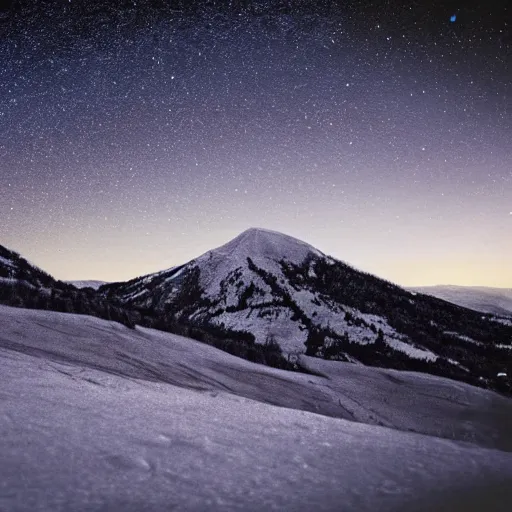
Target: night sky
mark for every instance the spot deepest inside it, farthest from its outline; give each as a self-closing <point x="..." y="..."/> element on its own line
<point x="136" y="137"/>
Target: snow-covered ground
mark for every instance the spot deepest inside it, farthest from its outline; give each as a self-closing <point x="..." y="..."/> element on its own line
<point x="502" y="320"/>
<point x="404" y="400"/>
<point x="95" y="416"/>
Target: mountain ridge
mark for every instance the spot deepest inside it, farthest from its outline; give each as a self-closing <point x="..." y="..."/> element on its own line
<point x="266" y="293"/>
<point x="486" y="299"/>
<point x="275" y="287"/>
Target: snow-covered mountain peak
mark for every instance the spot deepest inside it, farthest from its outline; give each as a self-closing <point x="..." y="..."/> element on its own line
<point x="258" y="243"/>
<point x="263" y="247"/>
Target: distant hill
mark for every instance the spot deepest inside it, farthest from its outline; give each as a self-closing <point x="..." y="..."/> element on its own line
<point x="497" y="301"/>
<point x="87" y="284"/>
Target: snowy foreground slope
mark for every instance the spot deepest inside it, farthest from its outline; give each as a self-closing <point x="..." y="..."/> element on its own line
<point x="497" y="301"/>
<point x="402" y="400"/>
<point x="95" y="416"/>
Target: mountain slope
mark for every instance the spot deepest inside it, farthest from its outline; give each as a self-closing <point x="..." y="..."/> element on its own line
<point x="14" y="269"/>
<point x="25" y="285"/>
<point x="496" y="301"/>
<point x="275" y="287"/>
<point x="217" y="278"/>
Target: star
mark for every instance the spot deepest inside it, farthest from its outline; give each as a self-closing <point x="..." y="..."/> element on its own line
<point x="165" y="122"/>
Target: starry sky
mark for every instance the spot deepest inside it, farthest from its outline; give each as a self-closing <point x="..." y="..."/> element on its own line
<point x="135" y="136"/>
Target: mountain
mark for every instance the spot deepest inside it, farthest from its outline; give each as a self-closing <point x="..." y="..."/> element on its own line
<point x="497" y="301"/>
<point x="87" y="284"/>
<point x="16" y="270"/>
<point x="273" y="288"/>
<point x="224" y="284"/>
<point x="25" y="285"/>
<point x="96" y="416"/>
<point x="268" y="297"/>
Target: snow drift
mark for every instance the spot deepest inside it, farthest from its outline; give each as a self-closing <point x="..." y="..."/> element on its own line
<point x="96" y="416"/>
